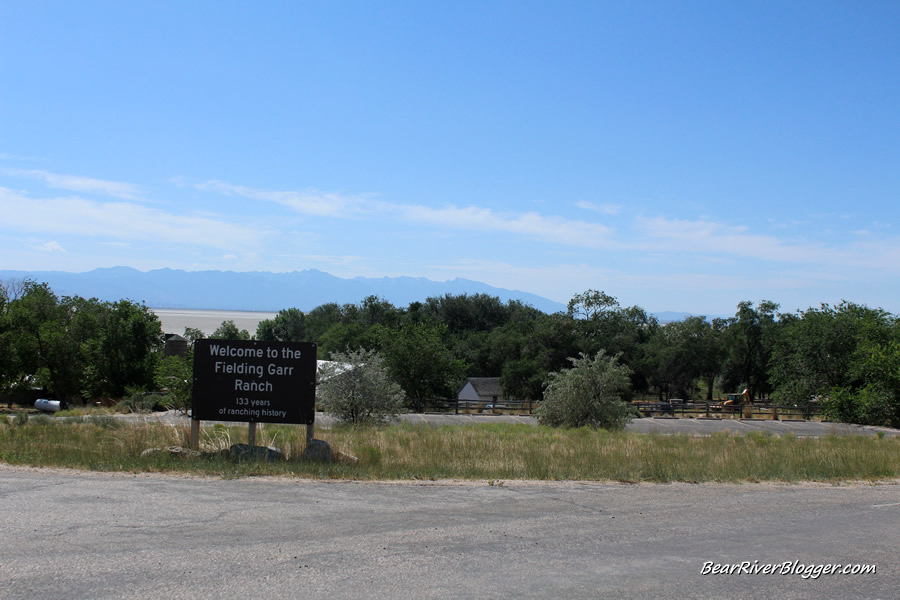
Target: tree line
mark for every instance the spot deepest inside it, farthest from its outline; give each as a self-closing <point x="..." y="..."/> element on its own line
<point x="845" y="357"/>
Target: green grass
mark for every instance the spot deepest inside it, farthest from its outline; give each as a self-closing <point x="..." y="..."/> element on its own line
<point x="493" y="452"/>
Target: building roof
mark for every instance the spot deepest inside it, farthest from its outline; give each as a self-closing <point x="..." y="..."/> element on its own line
<point x="486" y="386"/>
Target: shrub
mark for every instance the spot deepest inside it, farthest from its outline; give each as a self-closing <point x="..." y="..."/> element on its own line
<point x="355" y="388"/>
<point x="142" y="402"/>
<point x="174" y="375"/>
<point x="589" y="394"/>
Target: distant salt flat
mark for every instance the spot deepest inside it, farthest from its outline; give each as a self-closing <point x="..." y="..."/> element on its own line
<point x="174" y="320"/>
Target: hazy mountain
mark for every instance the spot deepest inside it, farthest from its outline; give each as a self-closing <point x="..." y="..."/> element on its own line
<point x="670" y="316"/>
<point x="259" y="291"/>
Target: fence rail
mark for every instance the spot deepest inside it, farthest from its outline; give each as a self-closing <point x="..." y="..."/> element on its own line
<point x="713" y="410"/>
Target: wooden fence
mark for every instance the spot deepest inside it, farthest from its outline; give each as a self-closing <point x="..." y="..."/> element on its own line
<point x="685" y="410"/>
<point x="718" y="410"/>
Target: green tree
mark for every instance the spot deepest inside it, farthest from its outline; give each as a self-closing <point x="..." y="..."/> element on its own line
<point x="819" y="350"/>
<point x="601" y="323"/>
<point x="378" y="311"/>
<point x="356" y="388"/>
<point x="289" y="325"/>
<point x="590" y="394"/>
<point x="7" y="368"/>
<point x="417" y="359"/>
<point x="478" y="312"/>
<point x="321" y="319"/>
<point x="174" y="376"/>
<point x="192" y="334"/>
<point x="340" y="337"/>
<point x="42" y="352"/>
<point x="752" y="334"/>
<point x="878" y="401"/>
<point x="122" y="353"/>
<point x="229" y="331"/>
<point x="523" y="380"/>
<point x="682" y="352"/>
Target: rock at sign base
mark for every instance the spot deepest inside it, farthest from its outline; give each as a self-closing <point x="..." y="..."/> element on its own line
<point x="318" y="450"/>
<point x="172" y="451"/>
<point x="262" y="453"/>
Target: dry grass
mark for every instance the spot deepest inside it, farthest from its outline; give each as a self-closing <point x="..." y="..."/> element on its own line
<point x="481" y="452"/>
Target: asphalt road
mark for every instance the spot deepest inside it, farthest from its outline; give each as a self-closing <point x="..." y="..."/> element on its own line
<point x="75" y="535"/>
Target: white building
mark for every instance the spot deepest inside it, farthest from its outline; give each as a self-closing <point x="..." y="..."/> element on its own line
<point x="481" y="389"/>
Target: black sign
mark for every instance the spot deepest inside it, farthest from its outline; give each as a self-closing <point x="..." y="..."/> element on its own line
<point x="253" y="381"/>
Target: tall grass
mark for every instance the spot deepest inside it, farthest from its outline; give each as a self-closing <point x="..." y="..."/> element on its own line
<point x="480" y="452"/>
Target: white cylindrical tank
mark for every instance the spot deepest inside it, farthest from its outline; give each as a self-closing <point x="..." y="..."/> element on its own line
<point x="47" y="405"/>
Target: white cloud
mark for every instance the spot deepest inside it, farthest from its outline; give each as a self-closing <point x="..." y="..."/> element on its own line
<point x="831" y="252"/>
<point x="603" y="209"/>
<point x="122" y="221"/>
<point x="530" y="224"/>
<point x="309" y="202"/>
<point x="683" y="235"/>
<point x="51" y="247"/>
<point x="76" y="183"/>
<point x="471" y="218"/>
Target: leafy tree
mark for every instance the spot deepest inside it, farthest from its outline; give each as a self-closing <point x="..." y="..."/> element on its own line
<point x="819" y="349"/>
<point x="321" y="319"/>
<point x="473" y="348"/>
<point x="523" y="380"/>
<point x="588" y="394"/>
<point x="342" y="336"/>
<point x="6" y="358"/>
<point x="602" y="324"/>
<point x="553" y="341"/>
<point x="592" y="305"/>
<point x="192" y="334"/>
<point x="417" y="359"/>
<point x="122" y="352"/>
<point x="671" y="372"/>
<point x="174" y="375"/>
<point x="712" y="354"/>
<point x="752" y="334"/>
<point x="878" y="401"/>
<point x="289" y="325"/>
<point x="378" y="311"/>
<point x="681" y="352"/>
<point x="478" y="312"/>
<point x="847" y="356"/>
<point x="356" y="388"/>
<point x="229" y="331"/>
<point x="76" y="348"/>
<point x="42" y="352"/>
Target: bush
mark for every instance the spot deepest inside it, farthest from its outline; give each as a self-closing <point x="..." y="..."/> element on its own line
<point x="355" y="388"/>
<point x="142" y="402"/>
<point x="587" y="395"/>
<point x="174" y="375"/>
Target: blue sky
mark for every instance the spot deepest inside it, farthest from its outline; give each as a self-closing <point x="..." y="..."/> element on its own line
<point x="678" y="155"/>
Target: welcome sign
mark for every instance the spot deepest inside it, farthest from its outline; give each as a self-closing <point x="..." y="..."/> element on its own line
<point x="254" y="381"/>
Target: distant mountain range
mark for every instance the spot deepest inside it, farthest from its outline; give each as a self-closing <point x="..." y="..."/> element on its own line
<point x="258" y="291"/>
<point x="265" y="291"/>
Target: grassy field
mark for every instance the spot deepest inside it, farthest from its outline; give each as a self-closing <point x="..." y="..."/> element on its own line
<point x="493" y="452"/>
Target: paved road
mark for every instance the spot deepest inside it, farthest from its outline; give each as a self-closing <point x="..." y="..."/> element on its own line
<point x="645" y="425"/>
<point x="83" y="535"/>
